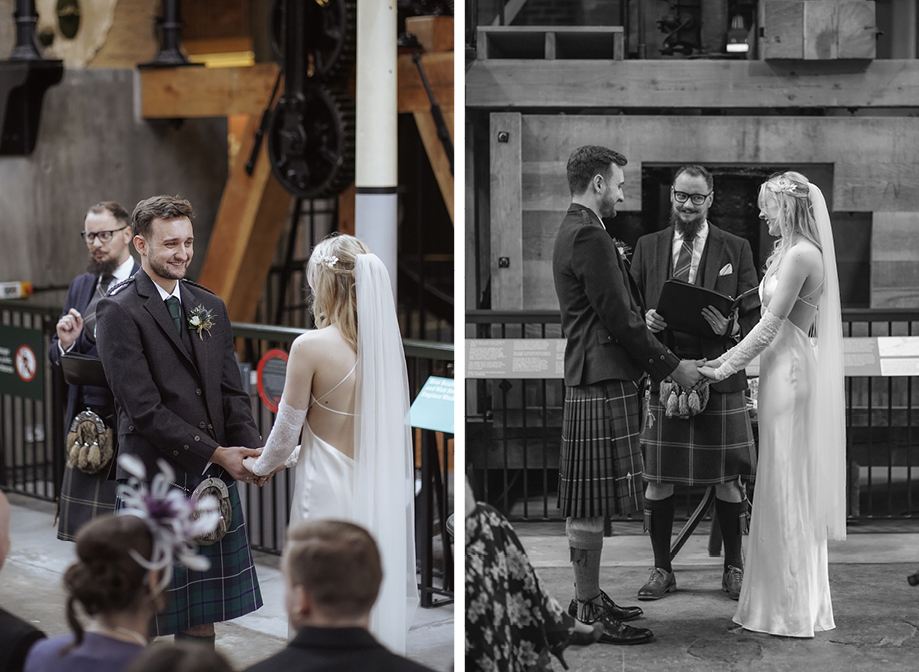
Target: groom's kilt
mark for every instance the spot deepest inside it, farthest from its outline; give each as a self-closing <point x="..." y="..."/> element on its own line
<point x="600" y="462"/>
<point x="715" y="446"/>
<point x="227" y="590"/>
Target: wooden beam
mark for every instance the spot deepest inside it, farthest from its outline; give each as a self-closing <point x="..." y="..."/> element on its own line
<point x="439" y="70"/>
<point x="533" y="84"/>
<point x="246" y="232"/>
<point x="506" y="143"/>
<point x="175" y="93"/>
<point x="436" y="154"/>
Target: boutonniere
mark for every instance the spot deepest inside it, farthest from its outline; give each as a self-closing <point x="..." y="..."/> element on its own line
<point x="624" y="250"/>
<point x="201" y="319"/>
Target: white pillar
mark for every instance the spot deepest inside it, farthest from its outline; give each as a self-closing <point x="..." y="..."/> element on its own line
<point x="376" y="155"/>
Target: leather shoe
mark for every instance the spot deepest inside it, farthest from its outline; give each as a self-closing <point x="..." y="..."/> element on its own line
<point x="659" y="584"/>
<point x="731" y="582"/>
<point x="610" y="609"/>
<point x="616" y="632"/>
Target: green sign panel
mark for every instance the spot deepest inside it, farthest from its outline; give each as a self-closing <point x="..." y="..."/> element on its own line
<point x="22" y="357"/>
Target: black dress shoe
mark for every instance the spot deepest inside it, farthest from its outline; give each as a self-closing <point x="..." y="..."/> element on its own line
<point x="616" y="632"/>
<point x="610" y="609"/>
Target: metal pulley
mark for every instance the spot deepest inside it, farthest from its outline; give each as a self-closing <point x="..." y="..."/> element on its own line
<point x="311" y="142"/>
<point x="328" y="34"/>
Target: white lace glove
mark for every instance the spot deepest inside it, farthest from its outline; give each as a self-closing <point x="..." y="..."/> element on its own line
<point x="754" y="343"/>
<point x="281" y="447"/>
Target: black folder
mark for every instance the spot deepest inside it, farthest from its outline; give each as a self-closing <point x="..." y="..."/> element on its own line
<point x="681" y="306"/>
<point x="83" y="370"/>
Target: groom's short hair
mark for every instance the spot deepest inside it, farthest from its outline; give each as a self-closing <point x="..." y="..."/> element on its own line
<point x="337" y="563"/>
<point x="590" y="160"/>
<point x="159" y="207"/>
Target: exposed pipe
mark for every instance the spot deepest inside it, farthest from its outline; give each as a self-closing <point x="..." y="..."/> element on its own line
<point x="642" y="49"/>
<point x="26" y="17"/>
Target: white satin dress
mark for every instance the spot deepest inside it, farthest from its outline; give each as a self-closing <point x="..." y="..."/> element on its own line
<point x="325" y="476"/>
<point x="786" y="588"/>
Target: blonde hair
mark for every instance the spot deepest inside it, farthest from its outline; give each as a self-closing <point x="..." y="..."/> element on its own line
<point x="330" y="274"/>
<point x="791" y="191"/>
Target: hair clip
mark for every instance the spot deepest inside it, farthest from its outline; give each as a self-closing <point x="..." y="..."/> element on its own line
<point x="327" y="260"/>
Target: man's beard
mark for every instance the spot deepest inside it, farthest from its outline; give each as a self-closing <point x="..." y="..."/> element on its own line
<point x="163" y="270"/>
<point x="687" y="227"/>
<point x="102" y="267"/>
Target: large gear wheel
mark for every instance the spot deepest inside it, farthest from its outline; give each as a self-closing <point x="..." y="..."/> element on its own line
<point x="311" y="143"/>
<point x="330" y="38"/>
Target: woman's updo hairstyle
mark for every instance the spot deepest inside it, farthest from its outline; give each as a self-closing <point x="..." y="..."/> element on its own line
<point x="330" y="274"/>
<point x="791" y="191"/>
<point x="105" y="578"/>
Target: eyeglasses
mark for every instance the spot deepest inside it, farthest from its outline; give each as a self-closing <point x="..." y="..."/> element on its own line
<point x="103" y="236"/>
<point x="697" y="199"/>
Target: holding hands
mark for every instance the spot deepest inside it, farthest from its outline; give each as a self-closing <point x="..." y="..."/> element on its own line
<point x="233" y="460"/>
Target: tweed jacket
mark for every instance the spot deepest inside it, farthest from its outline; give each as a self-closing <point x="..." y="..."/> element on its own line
<point x="336" y="650"/>
<point x="602" y="314"/>
<point x="652" y="266"/>
<point x="177" y="397"/>
<point x="78" y="296"/>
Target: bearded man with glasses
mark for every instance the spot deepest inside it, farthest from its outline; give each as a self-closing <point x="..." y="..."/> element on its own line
<point x="714" y="447"/>
<point x="107" y="235"/>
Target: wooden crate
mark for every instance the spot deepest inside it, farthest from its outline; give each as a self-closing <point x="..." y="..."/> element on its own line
<point x="551" y="42"/>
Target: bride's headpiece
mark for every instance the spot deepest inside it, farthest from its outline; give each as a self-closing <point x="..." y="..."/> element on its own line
<point x="782" y="184"/>
<point x="173" y="519"/>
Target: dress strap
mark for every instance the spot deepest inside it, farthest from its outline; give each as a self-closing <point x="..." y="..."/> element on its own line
<point x="317" y="400"/>
<point x="805" y="299"/>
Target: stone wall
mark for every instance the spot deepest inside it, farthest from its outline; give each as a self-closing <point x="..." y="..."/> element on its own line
<point x="93" y="146"/>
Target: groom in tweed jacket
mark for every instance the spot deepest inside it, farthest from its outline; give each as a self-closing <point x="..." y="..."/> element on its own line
<point x="609" y="349"/>
<point x="178" y="397"/>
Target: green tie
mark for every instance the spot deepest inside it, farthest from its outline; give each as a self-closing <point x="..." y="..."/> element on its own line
<point x="175" y="309"/>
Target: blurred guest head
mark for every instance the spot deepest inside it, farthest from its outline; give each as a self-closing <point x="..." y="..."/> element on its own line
<point x="332" y="574"/>
<point x="180" y="658"/>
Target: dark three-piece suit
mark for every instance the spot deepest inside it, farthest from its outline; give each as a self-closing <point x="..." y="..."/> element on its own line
<point x="178" y="396"/>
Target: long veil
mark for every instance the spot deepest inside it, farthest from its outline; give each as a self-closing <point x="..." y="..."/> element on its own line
<point x="384" y="477"/>
<point x="829" y="428"/>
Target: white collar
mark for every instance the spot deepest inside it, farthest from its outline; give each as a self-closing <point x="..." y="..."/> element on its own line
<point x="165" y="295"/>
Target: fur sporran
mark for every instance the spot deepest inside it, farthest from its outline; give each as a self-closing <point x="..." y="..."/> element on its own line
<point x="217" y="489"/>
<point x="89" y="443"/>
<point x="680" y="402"/>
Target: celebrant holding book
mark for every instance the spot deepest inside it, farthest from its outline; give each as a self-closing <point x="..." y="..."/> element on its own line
<point x="713" y="446"/>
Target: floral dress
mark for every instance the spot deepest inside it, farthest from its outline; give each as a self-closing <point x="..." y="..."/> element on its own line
<point x="510" y="620"/>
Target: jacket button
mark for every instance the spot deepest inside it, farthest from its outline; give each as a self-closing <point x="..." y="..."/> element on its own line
<point x="185" y="446"/>
<point x="197" y="438"/>
<point x="200" y="425"/>
<point x="210" y="426"/>
<point x="176" y="453"/>
<point x="198" y="391"/>
<point x="130" y="428"/>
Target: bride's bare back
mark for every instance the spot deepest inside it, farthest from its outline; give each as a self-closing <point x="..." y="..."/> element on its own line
<point x="321" y="376"/>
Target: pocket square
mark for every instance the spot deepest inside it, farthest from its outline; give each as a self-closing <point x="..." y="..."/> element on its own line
<point x="727" y="269"/>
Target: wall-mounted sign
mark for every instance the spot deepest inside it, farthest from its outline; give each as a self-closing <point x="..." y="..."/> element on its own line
<point x="22" y="363"/>
<point x="272" y="371"/>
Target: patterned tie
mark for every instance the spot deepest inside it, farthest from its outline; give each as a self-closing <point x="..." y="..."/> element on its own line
<point x="175" y="309"/>
<point x="684" y="260"/>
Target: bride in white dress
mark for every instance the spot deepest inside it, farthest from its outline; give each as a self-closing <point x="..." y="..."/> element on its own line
<point x="800" y="484"/>
<point x="347" y="390"/>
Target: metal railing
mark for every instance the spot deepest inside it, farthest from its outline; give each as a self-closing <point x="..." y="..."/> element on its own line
<point x="513" y="426"/>
<point x="31" y="436"/>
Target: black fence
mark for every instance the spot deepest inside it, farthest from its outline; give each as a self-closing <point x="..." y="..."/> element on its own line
<point x="513" y="426"/>
<point x="32" y="439"/>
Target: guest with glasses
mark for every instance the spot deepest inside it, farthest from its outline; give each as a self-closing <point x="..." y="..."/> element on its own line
<point x="714" y="447"/>
<point x="107" y="233"/>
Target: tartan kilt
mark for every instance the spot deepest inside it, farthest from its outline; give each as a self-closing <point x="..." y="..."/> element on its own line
<point x="715" y="446"/>
<point x="228" y="590"/>
<point x="83" y="497"/>
<point x="600" y="462"/>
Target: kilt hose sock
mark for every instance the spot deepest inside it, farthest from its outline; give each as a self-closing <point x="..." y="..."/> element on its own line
<point x="585" y="541"/>
<point x="732" y="519"/>
<point x="659" y="525"/>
